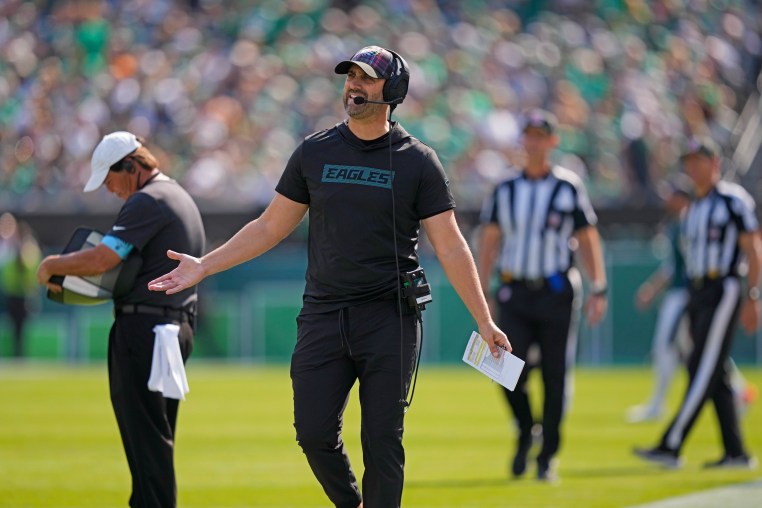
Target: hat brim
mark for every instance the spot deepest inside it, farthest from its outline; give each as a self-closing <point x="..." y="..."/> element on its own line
<point x="97" y="177"/>
<point x="343" y="68"/>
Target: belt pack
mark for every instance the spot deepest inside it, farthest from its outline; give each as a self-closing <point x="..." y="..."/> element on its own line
<point x="415" y="289"/>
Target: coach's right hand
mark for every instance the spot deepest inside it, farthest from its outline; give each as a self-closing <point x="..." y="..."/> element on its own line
<point x="187" y="274"/>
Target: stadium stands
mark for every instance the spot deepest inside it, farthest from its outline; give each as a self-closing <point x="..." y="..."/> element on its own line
<point x="229" y="88"/>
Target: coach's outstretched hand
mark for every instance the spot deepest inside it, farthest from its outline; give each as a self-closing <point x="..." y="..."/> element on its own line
<point x="187" y="274"/>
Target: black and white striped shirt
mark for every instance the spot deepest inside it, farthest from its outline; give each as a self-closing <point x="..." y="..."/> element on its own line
<point x="537" y="218"/>
<point x="710" y="229"/>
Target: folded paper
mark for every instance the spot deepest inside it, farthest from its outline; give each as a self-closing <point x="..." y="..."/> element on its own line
<point x="505" y="369"/>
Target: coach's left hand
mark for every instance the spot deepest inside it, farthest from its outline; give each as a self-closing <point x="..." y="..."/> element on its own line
<point x="495" y="338"/>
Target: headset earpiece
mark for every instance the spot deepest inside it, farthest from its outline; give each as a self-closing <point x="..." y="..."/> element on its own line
<point x="128" y="166"/>
<point x="123" y="165"/>
<point x="395" y="88"/>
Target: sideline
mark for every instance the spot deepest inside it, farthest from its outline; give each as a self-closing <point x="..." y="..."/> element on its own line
<point x="742" y="495"/>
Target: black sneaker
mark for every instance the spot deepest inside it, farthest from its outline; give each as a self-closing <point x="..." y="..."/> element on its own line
<point x="728" y="462"/>
<point x="665" y="458"/>
<point x="519" y="465"/>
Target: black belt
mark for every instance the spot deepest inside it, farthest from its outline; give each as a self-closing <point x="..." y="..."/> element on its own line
<point x="152" y="310"/>
<point x="700" y="282"/>
<point x="530" y="283"/>
<point x="534" y="284"/>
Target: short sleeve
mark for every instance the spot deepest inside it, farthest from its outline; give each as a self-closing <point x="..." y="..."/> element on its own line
<point x="434" y="195"/>
<point x="292" y="183"/>
<point x="742" y="207"/>
<point x="583" y="215"/>
<point x="139" y="220"/>
<point x="120" y="247"/>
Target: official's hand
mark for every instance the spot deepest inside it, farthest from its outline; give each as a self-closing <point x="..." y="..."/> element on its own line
<point x="645" y="296"/>
<point x="596" y="309"/>
<point x="495" y="338"/>
<point x="187" y="274"/>
<point x="44" y="275"/>
<point x="750" y="315"/>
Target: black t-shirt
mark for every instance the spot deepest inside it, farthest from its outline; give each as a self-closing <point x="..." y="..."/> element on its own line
<point x="159" y="217"/>
<point x="348" y="185"/>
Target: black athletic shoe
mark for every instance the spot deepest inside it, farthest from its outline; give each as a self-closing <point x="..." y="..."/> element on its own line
<point x="728" y="462"/>
<point x="523" y="446"/>
<point x="665" y="458"/>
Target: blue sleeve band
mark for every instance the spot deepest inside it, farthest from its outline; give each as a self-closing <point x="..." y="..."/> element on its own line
<point x="121" y="247"/>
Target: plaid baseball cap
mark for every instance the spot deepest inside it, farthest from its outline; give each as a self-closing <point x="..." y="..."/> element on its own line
<point x="376" y="61"/>
<point x="700" y="145"/>
<point x="541" y="119"/>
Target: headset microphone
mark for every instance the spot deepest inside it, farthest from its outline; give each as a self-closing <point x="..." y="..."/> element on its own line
<point x="363" y="100"/>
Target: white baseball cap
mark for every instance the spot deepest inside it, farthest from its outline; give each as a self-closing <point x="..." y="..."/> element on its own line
<point x="112" y="148"/>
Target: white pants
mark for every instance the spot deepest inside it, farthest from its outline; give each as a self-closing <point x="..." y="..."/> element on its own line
<point x="670" y="342"/>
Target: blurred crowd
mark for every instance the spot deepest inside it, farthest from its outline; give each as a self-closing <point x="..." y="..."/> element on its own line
<point x="224" y="90"/>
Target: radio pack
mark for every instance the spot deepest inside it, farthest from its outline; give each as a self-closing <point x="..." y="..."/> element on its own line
<point x="415" y="289"/>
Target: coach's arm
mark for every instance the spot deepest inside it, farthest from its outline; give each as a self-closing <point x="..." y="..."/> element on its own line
<point x="458" y="264"/>
<point x="278" y="220"/>
<point x="93" y="261"/>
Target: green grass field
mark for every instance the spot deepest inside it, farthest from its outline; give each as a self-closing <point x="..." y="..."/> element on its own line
<point x="59" y="445"/>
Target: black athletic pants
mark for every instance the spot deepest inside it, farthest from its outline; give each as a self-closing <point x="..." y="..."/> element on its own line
<point x="713" y="315"/>
<point x="146" y="419"/>
<point x="543" y="316"/>
<point x="334" y="349"/>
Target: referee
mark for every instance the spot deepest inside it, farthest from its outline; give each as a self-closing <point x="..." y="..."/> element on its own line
<point x="669" y="344"/>
<point x="720" y="235"/>
<point x="530" y="227"/>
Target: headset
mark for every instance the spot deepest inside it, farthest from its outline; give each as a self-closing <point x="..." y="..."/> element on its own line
<point x="395" y="87"/>
<point x="124" y="164"/>
<point x="394" y="92"/>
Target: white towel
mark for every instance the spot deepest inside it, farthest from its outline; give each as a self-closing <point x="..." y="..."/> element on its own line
<point x="167" y="369"/>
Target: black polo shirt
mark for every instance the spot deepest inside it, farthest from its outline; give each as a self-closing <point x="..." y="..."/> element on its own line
<point x="159" y="217"/>
<point x="359" y="194"/>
